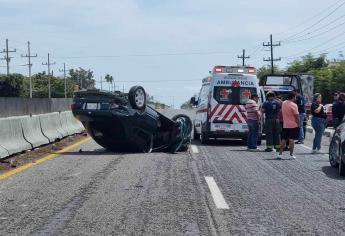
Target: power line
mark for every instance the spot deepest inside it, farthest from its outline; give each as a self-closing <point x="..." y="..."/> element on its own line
<point x="318" y="29"/>
<point x="317" y="46"/>
<point x="29" y="56"/>
<point x="317" y="22"/>
<point x="317" y="35"/>
<point x="7" y="58"/>
<point x="271" y="59"/>
<point x="144" y="55"/>
<point x="310" y="18"/>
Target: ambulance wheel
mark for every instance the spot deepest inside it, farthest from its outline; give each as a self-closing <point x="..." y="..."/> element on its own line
<point x="137" y="97"/>
<point x="203" y="138"/>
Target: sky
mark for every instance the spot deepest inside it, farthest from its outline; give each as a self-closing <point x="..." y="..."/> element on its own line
<point x="167" y="46"/>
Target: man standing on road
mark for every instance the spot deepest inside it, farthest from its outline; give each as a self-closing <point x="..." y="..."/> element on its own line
<point x="338" y="110"/>
<point x="290" y="124"/>
<point x="253" y="120"/>
<point x="300" y="101"/>
<point x="271" y="108"/>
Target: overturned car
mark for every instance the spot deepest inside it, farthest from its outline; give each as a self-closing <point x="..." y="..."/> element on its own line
<point x="123" y="122"/>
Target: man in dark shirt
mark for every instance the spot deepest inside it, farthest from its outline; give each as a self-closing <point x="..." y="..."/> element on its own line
<point x="271" y="108"/>
<point x="300" y="101"/>
<point x="338" y="110"/>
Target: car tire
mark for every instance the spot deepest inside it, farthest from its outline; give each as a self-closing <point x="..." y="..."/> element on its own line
<point x="137" y="98"/>
<point x="203" y="138"/>
<point x="332" y="154"/>
<point x="341" y="165"/>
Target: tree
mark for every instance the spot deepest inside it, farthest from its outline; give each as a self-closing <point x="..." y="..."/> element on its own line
<point x="82" y="77"/>
<point x="308" y="64"/>
<point x="109" y="79"/>
<point x="10" y="85"/>
<point x="266" y="70"/>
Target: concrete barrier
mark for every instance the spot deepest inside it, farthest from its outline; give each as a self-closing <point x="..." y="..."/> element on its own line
<point x="66" y="125"/>
<point x="49" y="124"/>
<point x="57" y="121"/>
<point x="3" y="152"/>
<point x="32" y="131"/>
<point x="11" y="135"/>
<point x="77" y="125"/>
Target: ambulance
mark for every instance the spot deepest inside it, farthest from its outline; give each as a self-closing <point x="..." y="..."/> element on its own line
<point x="220" y="107"/>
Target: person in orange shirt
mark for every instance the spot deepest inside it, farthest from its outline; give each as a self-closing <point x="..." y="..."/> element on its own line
<point x="290" y="124"/>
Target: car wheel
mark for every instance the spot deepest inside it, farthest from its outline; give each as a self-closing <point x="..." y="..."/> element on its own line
<point x="333" y="154"/>
<point x="203" y="137"/>
<point x="341" y="165"/>
<point x="137" y="97"/>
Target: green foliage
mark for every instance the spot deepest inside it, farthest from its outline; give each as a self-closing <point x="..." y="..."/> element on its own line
<point x="266" y="70"/>
<point x="10" y="86"/>
<point x="82" y="77"/>
<point x="308" y="64"/>
<point x="328" y="77"/>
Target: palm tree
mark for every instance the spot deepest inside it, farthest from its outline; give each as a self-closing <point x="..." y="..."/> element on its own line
<point x="109" y="79"/>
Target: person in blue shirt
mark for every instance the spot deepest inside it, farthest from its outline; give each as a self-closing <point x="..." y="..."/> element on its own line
<point x="300" y="101"/>
<point x="271" y="108"/>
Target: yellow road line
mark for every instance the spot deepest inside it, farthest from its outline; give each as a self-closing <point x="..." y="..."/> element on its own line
<point x="43" y="159"/>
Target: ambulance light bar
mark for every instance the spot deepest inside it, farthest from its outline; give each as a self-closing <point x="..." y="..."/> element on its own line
<point x="234" y="69"/>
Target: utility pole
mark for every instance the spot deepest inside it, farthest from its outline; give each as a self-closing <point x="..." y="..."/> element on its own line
<point x="29" y="56"/>
<point x="64" y="77"/>
<point x="48" y="64"/>
<point x="271" y="59"/>
<point x="243" y="57"/>
<point x="7" y="58"/>
<point x="101" y="83"/>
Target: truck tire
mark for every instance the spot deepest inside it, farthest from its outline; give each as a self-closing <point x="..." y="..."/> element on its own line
<point x="137" y="97"/>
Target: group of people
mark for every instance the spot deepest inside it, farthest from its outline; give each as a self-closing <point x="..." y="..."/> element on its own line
<point x="284" y="121"/>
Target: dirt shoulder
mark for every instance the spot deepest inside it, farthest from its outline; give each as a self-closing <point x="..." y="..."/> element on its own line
<point x="21" y="159"/>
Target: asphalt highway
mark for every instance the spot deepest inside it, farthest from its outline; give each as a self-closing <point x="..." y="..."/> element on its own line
<point x="214" y="189"/>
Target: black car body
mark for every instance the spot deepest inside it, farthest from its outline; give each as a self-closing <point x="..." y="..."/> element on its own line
<point x="337" y="149"/>
<point x="123" y="122"/>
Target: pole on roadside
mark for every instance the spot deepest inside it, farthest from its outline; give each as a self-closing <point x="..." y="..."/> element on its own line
<point x="7" y="58"/>
<point x="272" y="59"/>
<point x="29" y="56"/>
<point x="64" y="77"/>
<point x="48" y="64"/>
<point x="243" y="57"/>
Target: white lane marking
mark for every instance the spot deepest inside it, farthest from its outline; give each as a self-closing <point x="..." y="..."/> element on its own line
<point x="194" y="148"/>
<point x="216" y="193"/>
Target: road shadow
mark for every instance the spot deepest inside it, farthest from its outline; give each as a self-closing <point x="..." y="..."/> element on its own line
<point x="222" y="143"/>
<point x="332" y="172"/>
<point x="95" y="152"/>
<point x="275" y="159"/>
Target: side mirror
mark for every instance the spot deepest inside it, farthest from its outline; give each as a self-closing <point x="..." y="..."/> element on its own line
<point x="193" y="101"/>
